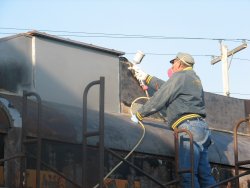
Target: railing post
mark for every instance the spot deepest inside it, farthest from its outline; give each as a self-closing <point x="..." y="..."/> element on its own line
<point x="27" y="94"/>
<point x="236" y="151"/>
<point x="99" y="133"/>
<point x="191" y="169"/>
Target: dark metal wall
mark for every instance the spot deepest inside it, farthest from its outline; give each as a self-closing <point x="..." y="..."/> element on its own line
<point x="66" y="158"/>
<point x="62" y="123"/>
<point x="15" y="60"/>
<point x="247" y="107"/>
<point x="224" y="112"/>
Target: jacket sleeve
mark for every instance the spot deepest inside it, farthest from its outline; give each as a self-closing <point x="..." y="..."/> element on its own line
<point x="161" y="98"/>
<point x="154" y="82"/>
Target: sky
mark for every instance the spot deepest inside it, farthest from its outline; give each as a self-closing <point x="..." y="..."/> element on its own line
<point x="159" y="28"/>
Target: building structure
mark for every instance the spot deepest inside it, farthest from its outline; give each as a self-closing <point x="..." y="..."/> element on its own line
<point x="58" y="68"/>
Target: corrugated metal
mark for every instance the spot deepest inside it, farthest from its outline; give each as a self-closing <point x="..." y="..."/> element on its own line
<point x="61" y="122"/>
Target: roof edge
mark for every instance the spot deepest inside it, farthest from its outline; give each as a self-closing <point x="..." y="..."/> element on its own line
<point x="61" y="39"/>
<point x="70" y="41"/>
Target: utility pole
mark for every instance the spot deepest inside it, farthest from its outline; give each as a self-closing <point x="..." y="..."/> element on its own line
<point x="225" y="78"/>
<point x="223" y="58"/>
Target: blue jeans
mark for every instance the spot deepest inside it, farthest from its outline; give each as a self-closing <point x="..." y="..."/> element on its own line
<point x="201" y="137"/>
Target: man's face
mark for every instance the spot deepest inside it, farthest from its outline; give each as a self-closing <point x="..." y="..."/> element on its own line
<point x="176" y="65"/>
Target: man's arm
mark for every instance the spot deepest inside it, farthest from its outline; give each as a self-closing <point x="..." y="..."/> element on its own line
<point x="153" y="84"/>
<point x="161" y="98"/>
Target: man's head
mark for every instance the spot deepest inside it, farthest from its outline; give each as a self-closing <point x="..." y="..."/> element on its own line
<point x="181" y="61"/>
<point x="185" y="58"/>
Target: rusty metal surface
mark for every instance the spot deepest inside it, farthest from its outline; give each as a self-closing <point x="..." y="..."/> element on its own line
<point x="4" y="121"/>
<point x="61" y="122"/>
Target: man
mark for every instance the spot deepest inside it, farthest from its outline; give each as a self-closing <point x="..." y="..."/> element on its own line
<point x="183" y="98"/>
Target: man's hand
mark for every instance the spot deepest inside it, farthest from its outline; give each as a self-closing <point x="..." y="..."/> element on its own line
<point x="138" y="73"/>
<point x="134" y="119"/>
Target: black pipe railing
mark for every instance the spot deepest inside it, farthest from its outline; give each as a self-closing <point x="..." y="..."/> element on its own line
<point x="12" y="157"/>
<point x="229" y="179"/>
<point x="178" y="171"/>
<point x="27" y="94"/>
<point x="86" y="134"/>
<point x="56" y="171"/>
<point x="136" y="168"/>
<point x="236" y="160"/>
<point x="236" y="151"/>
<point x="39" y="144"/>
<point x="176" y="143"/>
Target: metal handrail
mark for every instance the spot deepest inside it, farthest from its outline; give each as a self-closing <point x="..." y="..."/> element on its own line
<point x="236" y="151"/>
<point x="177" y="180"/>
<point x="100" y="132"/>
<point x="230" y="179"/>
<point x="236" y="159"/>
<point x="56" y="171"/>
<point x="38" y="140"/>
<point x="12" y="157"/>
<point x="191" y="169"/>
<point x="135" y="167"/>
<point x="27" y="94"/>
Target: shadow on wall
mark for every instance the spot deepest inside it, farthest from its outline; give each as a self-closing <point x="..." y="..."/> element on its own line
<point x="14" y="68"/>
<point x="16" y="74"/>
<point x="10" y="76"/>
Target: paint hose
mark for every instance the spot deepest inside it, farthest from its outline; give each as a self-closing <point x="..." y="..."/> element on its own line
<point x="136" y="145"/>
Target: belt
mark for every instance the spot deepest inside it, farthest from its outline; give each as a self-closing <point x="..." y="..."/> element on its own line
<point x="184" y="118"/>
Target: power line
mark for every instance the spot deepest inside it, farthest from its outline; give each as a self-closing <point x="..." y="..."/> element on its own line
<point x="196" y="55"/>
<point x="8" y="33"/>
<point x="116" y="35"/>
<point x="169" y="54"/>
<point x="231" y="93"/>
<point x="163" y="54"/>
<point x="119" y="35"/>
<point x="147" y="53"/>
<point x="242" y="59"/>
<point x="125" y="36"/>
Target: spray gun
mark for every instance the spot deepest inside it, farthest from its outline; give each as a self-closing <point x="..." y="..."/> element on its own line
<point x="137" y="60"/>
